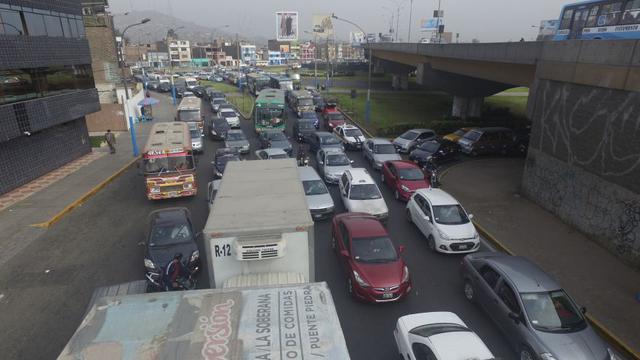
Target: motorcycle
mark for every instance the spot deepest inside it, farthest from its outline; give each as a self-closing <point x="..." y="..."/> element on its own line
<point x="432" y="169"/>
<point x="303" y="161"/>
<point x="158" y="282"/>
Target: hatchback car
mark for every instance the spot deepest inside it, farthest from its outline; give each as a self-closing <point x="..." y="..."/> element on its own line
<point x="373" y="267"/>
<point x="435" y="152"/>
<point x="443" y="222"/>
<point x="269" y="154"/>
<point x="403" y="178"/>
<point x="236" y="139"/>
<point x="333" y="118"/>
<point x="438" y="336"/>
<point x="170" y="231"/>
<point x="318" y="198"/>
<point x="197" y="144"/>
<point x="332" y="163"/>
<point x="457" y="135"/>
<point x="324" y="140"/>
<point x="303" y="129"/>
<point x="216" y="102"/>
<point x="232" y="117"/>
<point x="221" y="158"/>
<point x="360" y="193"/>
<point x="490" y="140"/>
<point x="539" y="319"/>
<point x="378" y="150"/>
<point x="275" y="139"/>
<point x="408" y="141"/>
<point x="218" y="128"/>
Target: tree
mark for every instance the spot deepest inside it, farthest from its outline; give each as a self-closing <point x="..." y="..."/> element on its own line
<point x="475" y="41"/>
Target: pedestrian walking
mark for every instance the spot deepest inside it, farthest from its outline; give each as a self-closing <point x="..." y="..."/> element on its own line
<point x="110" y="138"/>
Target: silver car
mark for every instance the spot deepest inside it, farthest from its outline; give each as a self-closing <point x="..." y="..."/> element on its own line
<point x="408" y="141"/>
<point x="378" y="150"/>
<point x="332" y="163"/>
<point x="236" y="139"/>
<point x="536" y="315"/>
<point x="318" y="198"/>
<point x="196" y="140"/>
<point x="215" y="103"/>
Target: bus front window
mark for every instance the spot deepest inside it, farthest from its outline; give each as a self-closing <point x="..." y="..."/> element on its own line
<point x="270" y="117"/>
<point x="168" y="164"/>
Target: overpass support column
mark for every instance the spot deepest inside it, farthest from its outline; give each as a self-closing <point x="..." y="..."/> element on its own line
<point x="467" y="107"/>
<point x="400" y="81"/>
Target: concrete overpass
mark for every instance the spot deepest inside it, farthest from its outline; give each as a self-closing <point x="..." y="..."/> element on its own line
<point x="584" y="104"/>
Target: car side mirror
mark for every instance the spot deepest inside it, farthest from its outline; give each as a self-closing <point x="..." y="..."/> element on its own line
<point x="515" y="317"/>
<point x="470" y="216"/>
<point x="426" y="217"/>
<point x="321" y="162"/>
<point x="583" y="310"/>
<point x="344" y="253"/>
<point x="351" y="161"/>
<point x="401" y="249"/>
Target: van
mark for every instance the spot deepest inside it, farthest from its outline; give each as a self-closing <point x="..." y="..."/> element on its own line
<point x="488" y="140"/>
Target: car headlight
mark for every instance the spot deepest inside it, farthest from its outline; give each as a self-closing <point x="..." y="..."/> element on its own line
<point x="443" y="235"/>
<point x="187" y="186"/>
<point x="613" y="355"/>
<point x="429" y="158"/>
<point x="360" y="280"/>
<point x="194" y="256"/>
<point x="378" y="163"/>
<point x="476" y="236"/>
<point x="154" y="189"/>
<point x="405" y="274"/>
<point x="547" y="356"/>
<point x="218" y="174"/>
<point x="149" y="264"/>
<point x="404" y="188"/>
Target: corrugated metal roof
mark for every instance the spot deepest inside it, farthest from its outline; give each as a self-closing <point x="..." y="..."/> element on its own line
<point x="264" y="279"/>
<point x="168" y="135"/>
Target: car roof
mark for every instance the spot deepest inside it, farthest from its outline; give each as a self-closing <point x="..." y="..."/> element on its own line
<point x="380" y="141"/>
<point x="360" y="176"/>
<point x="404" y="164"/>
<point x="323" y="133"/>
<point x="421" y="130"/>
<point x="348" y="127"/>
<point x="523" y="273"/>
<point x="308" y="173"/>
<point x="437" y="196"/>
<point x="363" y="225"/>
<point x="273" y="151"/>
<point x="169" y="216"/>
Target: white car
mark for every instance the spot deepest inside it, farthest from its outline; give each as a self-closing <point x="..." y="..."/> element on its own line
<point x="443" y="221"/>
<point x="360" y="193"/>
<point x="232" y="117"/>
<point x="438" y="336"/>
<point x="351" y="136"/>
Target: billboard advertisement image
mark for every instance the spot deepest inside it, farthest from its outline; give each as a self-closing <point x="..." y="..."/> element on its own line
<point x="356" y="38"/>
<point x="322" y="26"/>
<point x="430" y="24"/>
<point x="287" y="25"/>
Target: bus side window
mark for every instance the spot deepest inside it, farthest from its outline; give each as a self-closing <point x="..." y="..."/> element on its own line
<point x="566" y="19"/>
<point x="593" y="16"/>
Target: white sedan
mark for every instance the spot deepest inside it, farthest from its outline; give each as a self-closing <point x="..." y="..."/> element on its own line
<point x="443" y="221"/>
<point x="438" y="336"/>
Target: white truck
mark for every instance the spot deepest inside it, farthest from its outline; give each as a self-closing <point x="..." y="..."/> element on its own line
<point x="259" y="231"/>
<point x="277" y="322"/>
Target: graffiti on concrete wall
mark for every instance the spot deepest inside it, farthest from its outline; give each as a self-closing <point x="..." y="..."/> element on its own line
<point x="628" y="231"/>
<point x="596" y="129"/>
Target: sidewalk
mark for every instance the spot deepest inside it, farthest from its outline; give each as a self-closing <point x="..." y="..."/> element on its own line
<point x="489" y="189"/>
<point x="43" y="198"/>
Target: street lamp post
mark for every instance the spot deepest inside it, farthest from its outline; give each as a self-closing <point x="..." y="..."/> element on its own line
<point x="367" y="108"/>
<point x="124" y="83"/>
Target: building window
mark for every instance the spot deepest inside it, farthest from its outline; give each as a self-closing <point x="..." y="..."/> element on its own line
<point x="53" y="25"/>
<point x="11" y="23"/>
<point x="35" y="24"/>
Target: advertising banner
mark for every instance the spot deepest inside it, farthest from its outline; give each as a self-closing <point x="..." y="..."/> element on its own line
<point x="430" y="24"/>
<point x="322" y="25"/>
<point x="287" y="25"/>
<point x="356" y="38"/>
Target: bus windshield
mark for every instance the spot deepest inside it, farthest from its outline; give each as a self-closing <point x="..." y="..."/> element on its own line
<point x="305" y="102"/>
<point x="167" y="164"/>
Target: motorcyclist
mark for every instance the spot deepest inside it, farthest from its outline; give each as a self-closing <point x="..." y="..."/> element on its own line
<point x="174" y="272"/>
<point x="302" y="157"/>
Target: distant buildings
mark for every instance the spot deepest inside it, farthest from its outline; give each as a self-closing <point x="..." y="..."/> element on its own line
<point x="179" y="52"/>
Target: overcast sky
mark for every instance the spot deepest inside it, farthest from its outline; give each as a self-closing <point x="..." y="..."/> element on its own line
<point x="486" y="20"/>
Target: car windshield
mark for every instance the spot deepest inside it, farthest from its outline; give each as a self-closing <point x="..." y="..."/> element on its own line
<point x="305" y="102"/>
<point x="472" y="135"/>
<point x="409" y="135"/>
<point x="459" y="132"/>
<point x="353" y="132"/>
<point x="338" y="160"/>
<point x="314" y="187"/>
<point x="236" y="136"/>
<point x="373" y="250"/>
<point x="219" y="101"/>
<point x="429" y="146"/>
<point x="335" y="116"/>
<point x="222" y="160"/>
<point x="410" y="174"/>
<point x="228" y="114"/>
<point x="385" y="149"/>
<point x="164" y="235"/>
<point x="305" y="125"/>
<point x="552" y="311"/>
<point x="168" y="164"/>
<point x="195" y="133"/>
<point x="450" y="215"/>
<point x="276" y="136"/>
<point x="365" y="192"/>
<point x="329" y="140"/>
<point x="309" y="115"/>
<point x="429" y="330"/>
<point x="189" y="115"/>
<point x="278" y="156"/>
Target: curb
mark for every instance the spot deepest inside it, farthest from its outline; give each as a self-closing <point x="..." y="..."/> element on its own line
<point x="356" y="123"/>
<point x="57" y="217"/>
<point x="607" y="334"/>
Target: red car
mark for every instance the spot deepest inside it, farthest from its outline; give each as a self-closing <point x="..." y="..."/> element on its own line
<point x="374" y="269"/>
<point x="404" y="178"/>
<point x="332" y="117"/>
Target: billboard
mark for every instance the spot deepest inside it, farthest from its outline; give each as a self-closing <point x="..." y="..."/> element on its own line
<point x="430" y="24"/>
<point x="356" y="38"/>
<point x="322" y="25"/>
<point x="287" y="25"/>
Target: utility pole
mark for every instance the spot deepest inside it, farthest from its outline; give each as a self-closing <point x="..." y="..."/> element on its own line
<point x="439" y="19"/>
<point x="410" y="18"/>
<point x="397" y="23"/>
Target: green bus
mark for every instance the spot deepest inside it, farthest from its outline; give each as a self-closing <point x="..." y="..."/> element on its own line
<point x="269" y="111"/>
<point x="257" y="82"/>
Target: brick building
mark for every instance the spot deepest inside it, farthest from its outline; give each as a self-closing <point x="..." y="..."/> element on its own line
<point x="47" y="88"/>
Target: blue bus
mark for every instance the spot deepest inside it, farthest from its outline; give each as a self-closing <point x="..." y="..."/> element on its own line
<point x="600" y="19"/>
